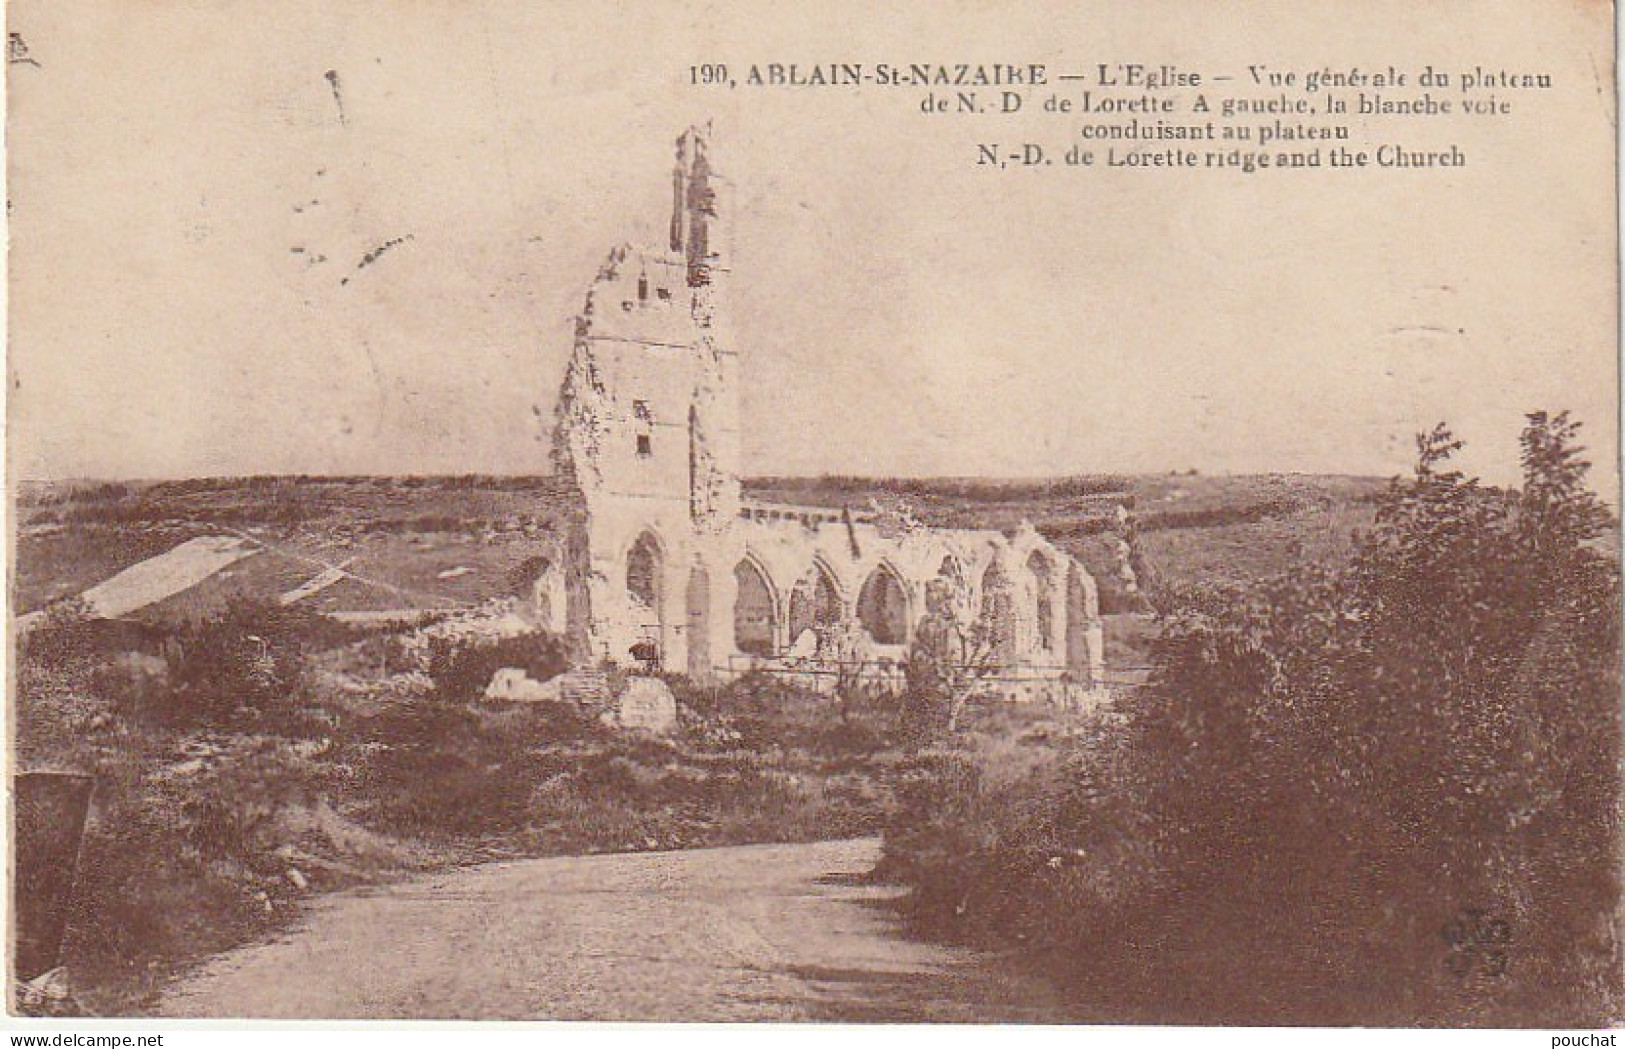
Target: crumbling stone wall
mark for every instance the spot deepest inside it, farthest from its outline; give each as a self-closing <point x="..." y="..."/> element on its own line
<point x="667" y="568"/>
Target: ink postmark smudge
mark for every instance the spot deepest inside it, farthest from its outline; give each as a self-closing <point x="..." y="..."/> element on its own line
<point x="376" y="253"/>
<point x="332" y="76"/>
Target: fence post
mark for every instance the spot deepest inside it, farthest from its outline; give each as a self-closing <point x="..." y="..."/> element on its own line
<point x="49" y="823"/>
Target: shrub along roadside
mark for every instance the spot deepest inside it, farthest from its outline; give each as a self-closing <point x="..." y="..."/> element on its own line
<point x="1381" y="795"/>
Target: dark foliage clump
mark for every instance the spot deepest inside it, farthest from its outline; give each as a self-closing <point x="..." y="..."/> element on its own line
<point x="63" y="634"/>
<point x="244" y="667"/>
<point x="448" y="770"/>
<point x="461" y="668"/>
<point x="1386" y="793"/>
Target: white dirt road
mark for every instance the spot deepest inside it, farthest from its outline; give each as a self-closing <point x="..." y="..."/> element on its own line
<point x="762" y="932"/>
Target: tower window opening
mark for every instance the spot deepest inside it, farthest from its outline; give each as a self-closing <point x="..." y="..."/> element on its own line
<point x="646" y="421"/>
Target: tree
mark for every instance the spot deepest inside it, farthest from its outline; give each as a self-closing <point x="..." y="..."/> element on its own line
<point x="1557" y="514"/>
<point x="952" y="655"/>
<point x="844" y="645"/>
<point x="1448" y="703"/>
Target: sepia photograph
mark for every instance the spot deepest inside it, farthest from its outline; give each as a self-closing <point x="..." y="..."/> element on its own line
<point x="716" y="512"/>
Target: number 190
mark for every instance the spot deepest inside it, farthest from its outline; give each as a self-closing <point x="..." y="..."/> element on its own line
<point x="708" y="74"/>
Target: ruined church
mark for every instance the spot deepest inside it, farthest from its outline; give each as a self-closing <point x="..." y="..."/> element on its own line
<point x="670" y="569"/>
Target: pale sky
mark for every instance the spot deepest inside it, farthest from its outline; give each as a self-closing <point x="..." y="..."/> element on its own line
<point x="188" y="204"/>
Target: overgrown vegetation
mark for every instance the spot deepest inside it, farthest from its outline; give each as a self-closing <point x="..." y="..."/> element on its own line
<point x="1383" y="793"/>
<point x="1372" y="789"/>
<point x="460" y="670"/>
<point x="260" y="754"/>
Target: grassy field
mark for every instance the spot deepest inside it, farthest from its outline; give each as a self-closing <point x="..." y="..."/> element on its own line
<point x="419" y="542"/>
<point x="1192" y="528"/>
<point x="450" y="541"/>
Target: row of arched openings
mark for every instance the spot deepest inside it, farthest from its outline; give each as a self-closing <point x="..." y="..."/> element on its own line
<point x="882" y="606"/>
<point x="815" y="604"/>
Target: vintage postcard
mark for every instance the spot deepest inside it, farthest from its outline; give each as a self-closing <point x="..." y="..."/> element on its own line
<point x="1043" y="513"/>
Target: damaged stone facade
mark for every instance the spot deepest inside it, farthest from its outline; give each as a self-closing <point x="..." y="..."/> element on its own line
<point x="669" y="568"/>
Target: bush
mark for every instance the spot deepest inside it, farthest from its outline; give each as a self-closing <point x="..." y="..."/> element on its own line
<point x="1053" y="859"/>
<point x="461" y="668"/>
<point x="63" y="634"/>
<point x="443" y="770"/>
<point x="446" y="793"/>
<point x="1362" y="782"/>
<point x="245" y="666"/>
<point x="762" y="712"/>
<point x="232" y="811"/>
<point x="1449" y="704"/>
<point x="178" y="863"/>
